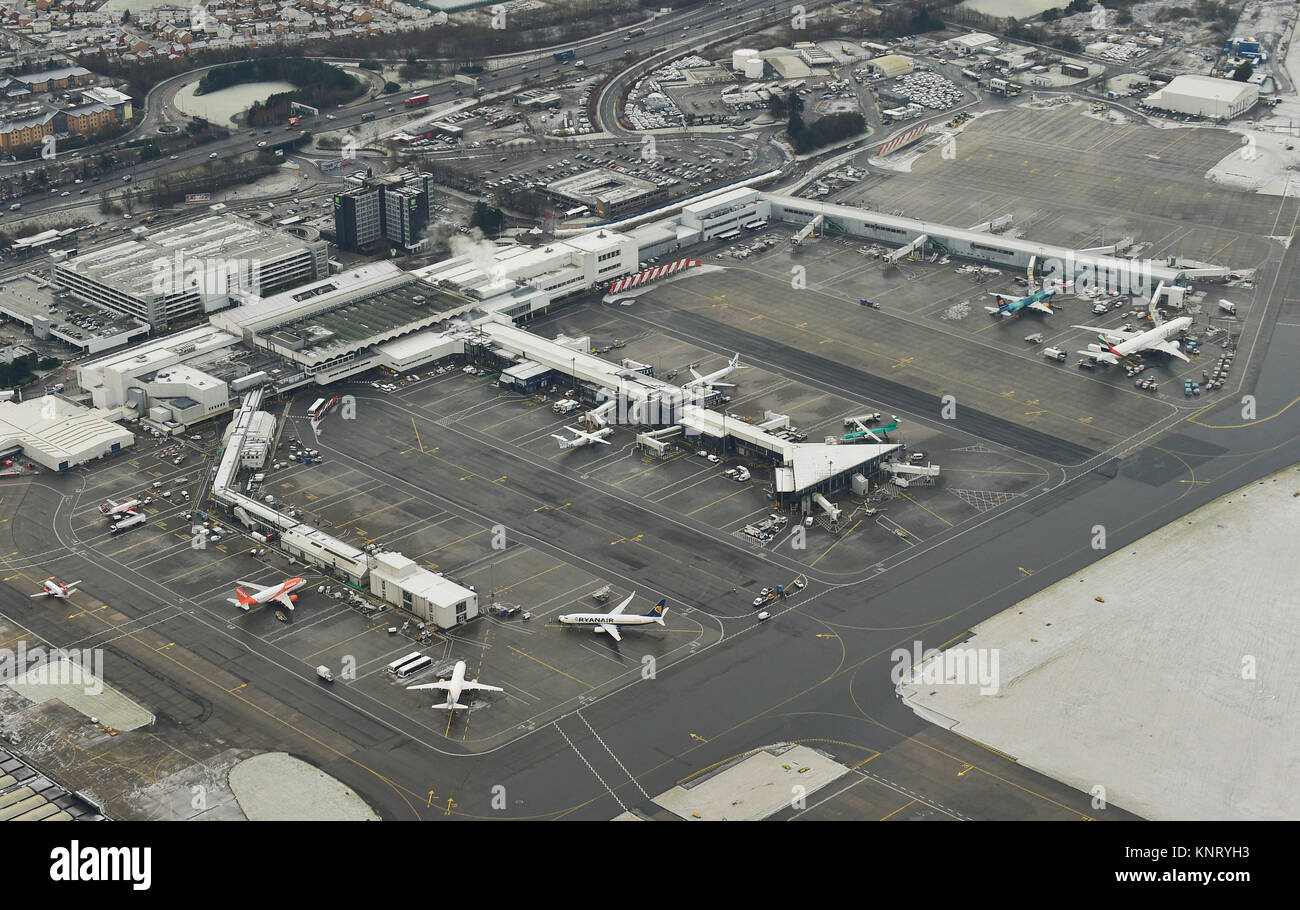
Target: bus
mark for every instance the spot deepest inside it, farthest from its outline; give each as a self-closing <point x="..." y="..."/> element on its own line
<point x="561" y="56"/>
<point x="417" y="100"/>
<point x="315" y="407"/>
<point x="320" y="412"/>
<point x="398" y="664"/>
<point x="728" y="235"/>
<point x="414" y="667"/>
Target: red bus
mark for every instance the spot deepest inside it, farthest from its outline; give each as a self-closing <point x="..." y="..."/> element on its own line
<point x="417" y="100"/>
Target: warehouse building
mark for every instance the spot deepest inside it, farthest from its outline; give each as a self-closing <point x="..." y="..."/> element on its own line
<point x="890" y="66"/>
<point x="1205" y="96"/>
<point x="432" y="597"/>
<point x="57" y="434"/>
<point x="163" y="277"/>
<point x="970" y="44"/>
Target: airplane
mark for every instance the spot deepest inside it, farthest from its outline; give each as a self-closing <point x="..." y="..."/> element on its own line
<point x="583" y="438"/>
<point x="456" y="685"/>
<point x="711" y="380"/>
<point x="864" y="431"/>
<point x="57" y="589"/>
<point x="110" y="508"/>
<point x="281" y="594"/>
<point x="609" y="622"/>
<point x="1116" y="345"/>
<point x="1009" y="306"/>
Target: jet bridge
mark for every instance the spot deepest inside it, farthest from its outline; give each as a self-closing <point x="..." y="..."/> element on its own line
<point x="905" y="475"/>
<point x="808" y="229"/>
<point x="906" y="250"/>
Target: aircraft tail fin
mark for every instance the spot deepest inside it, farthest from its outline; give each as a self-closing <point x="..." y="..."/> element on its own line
<point x="658" y="611"/>
<point x="243" y="599"/>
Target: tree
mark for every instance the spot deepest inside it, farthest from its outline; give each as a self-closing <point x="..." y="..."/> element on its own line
<point x="487" y="219"/>
<point x="371" y="63"/>
<point x="1244" y="72"/>
<point x="390" y="87"/>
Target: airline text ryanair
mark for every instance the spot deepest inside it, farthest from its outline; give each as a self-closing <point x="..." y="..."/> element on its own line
<point x="103" y="864"/>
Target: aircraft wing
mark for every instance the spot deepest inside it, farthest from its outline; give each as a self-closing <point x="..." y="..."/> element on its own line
<point x="73" y="584"/>
<point x="284" y="601"/>
<point x="1041" y="307"/>
<point x="1171" y="348"/>
<point x="623" y="606"/>
<point x="1105" y="356"/>
<point x="442" y="684"/>
<point x="612" y="630"/>
<point x="1109" y="333"/>
<point x="41" y="594"/>
<point x="480" y="687"/>
<point x="697" y="376"/>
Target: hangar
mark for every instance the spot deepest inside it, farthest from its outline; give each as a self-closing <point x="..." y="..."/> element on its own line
<point x="58" y="434"/>
<point x="1205" y="96"/>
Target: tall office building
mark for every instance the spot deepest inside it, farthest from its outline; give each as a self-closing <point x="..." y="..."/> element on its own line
<point x="391" y="209"/>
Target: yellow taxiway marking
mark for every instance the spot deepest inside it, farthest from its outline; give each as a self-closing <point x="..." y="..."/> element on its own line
<point x="549" y="667"/>
<point x="898" y="810"/>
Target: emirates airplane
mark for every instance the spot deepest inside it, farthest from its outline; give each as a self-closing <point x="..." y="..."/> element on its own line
<point x="281" y="594"/>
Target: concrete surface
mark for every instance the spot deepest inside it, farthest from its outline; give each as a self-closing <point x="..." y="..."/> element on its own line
<point x="1178" y="694"/>
<point x="278" y="787"/>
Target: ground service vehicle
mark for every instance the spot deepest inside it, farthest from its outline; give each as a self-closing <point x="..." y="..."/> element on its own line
<point x="130" y="521"/>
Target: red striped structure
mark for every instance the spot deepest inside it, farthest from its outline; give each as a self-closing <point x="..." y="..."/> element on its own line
<point x="659" y="271"/>
<point x="902" y="139"/>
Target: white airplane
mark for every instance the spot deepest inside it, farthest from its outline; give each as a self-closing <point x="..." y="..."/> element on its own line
<point x="110" y="508"/>
<point x="1116" y="345"/>
<point x="281" y="594"/>
<point x="609" y="622"/>
<point x="583" y="438"/>
<point x="456" y="685"/>
<point x="57" y="589"/>
<point x="711" y="380"/>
